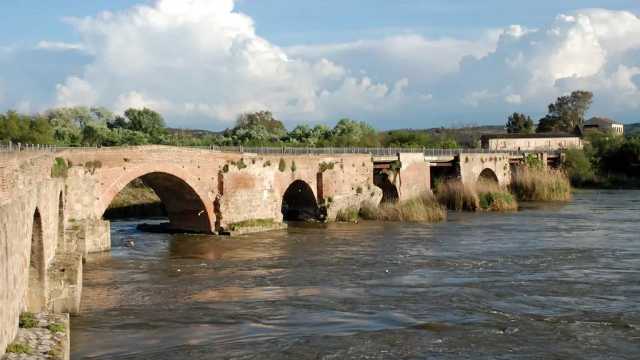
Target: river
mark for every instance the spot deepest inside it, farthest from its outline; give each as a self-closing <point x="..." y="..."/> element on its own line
<point x="550" y="281"/>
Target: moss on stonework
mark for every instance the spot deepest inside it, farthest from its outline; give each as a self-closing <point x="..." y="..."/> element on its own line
<point x="251" y="223"/>
<point x="27" y="320"/>
<point x="56" y="327"/>
<point x="60" y="168"/>
<point x="19" y="348"/>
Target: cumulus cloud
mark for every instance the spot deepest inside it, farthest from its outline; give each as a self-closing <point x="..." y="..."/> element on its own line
<point x="201" y="59"/>
<point x="201" y="63"/>
<point x="592" y="49"/>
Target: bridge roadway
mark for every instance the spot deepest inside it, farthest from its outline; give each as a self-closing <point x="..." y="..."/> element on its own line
<point x="52" y="200"/>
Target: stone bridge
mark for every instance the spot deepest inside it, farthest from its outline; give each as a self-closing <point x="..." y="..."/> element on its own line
<point x="52" y="202"/>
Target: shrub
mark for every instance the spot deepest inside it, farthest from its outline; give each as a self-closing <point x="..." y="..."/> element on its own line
<point x="293" y="166"/>
<point x="19" y="348"/>
<point x="494" y="197"/>
<point x="225" y="168"/>
<point x="359" y="190"/>
<point x="530" y="184"/>
<point x="27" y="320"/>
<point x="267" y="163"/>
<point x="282" y="166"/>
<point x="324" y="166"/>
<point x="60" y="168"/>
<point x="578" y="167"/>
<point x="240" y="164"/>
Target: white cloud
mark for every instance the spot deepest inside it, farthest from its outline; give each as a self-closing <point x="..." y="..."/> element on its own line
<point x="59" y="46"/>
<point x="200" y="59"/>
<point x="201" y="64"/>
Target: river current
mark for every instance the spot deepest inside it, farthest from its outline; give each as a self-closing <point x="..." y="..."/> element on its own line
<point x="548" y="282"/>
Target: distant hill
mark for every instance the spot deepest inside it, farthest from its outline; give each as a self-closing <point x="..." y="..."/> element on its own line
<point x="468" y="136"/>
<point x="632" y="129"/>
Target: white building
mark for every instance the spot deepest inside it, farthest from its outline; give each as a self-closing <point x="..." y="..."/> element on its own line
<point x="604" y="125"/>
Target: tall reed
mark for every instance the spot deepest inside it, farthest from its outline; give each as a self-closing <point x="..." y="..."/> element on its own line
<point x="540" y="184"/>
<point x="424" y="208"/>
<point x="483" y="195"/>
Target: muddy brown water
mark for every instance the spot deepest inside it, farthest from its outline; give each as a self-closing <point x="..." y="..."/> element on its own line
<point x="549" y="282"/>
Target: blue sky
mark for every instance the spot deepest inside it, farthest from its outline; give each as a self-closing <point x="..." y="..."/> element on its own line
<point x="404" y="63"/>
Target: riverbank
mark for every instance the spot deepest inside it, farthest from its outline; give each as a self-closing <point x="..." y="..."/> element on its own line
<point x="135" y="200"/>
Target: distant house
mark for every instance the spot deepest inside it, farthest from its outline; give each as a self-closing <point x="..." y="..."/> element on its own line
<point x="604" y="125"/>
<point x="531" y="142"/>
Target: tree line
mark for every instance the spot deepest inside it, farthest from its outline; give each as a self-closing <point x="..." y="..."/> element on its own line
<point x="82" y="126"/>
<point x="565" y="115"/>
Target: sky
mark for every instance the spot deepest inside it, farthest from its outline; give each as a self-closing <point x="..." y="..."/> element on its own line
<point x="395" y="64"/>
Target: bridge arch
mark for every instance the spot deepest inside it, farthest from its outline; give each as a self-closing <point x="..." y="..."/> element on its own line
<point x="186" y="206"/>
<point x="299" y="203"/>
<point x="60" y="244"/>
<point x="35" y="290"/>
<point x="390" y="192"/>
<point x="488" y="176"/>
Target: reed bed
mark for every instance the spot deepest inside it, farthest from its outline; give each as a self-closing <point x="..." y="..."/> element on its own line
<point x="487" y="196"/>
<point x="424" y="208"/>
<point x="541" y="184"/>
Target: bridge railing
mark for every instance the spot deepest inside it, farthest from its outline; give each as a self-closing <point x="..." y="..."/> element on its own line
<point x="18" y="147"/>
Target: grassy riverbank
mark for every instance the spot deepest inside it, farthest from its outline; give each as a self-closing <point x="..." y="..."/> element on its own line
<point x="135" y="200"/>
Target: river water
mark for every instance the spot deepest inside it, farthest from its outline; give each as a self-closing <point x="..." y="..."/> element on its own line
<point x="550" y="281"/>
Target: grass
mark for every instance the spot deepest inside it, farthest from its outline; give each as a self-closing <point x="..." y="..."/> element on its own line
<point x="251" y="223"/>
<point x="135" y="193"/>
<point x="350" y="214"/>
<point x="456" y="196"/>
<point x="27" y="320"/>
<point x="424" y="208"/>
<point x="19" y="348"/>
<point x="540" y="184"/>
<point x="56" y="327"/>
<point x="483" y="195"/>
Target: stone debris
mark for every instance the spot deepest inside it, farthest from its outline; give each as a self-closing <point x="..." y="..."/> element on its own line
<point x="43" y="343"/>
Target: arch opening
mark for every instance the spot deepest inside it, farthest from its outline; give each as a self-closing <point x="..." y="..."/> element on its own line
<point x="60" y="245"/>
<point x="299" y="203"/>
<point x="35" y="290"/>
<point x="389" y="190"/>
<point x="161" y="195"/>
<point x="488" y="176"/>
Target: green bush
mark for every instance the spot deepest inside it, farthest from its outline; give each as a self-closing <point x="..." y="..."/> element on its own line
<point x="282" y="165"/>
<point x="578" y="167"/>
<point x="293" y="166"/>
<point x="350" y="214"/>
<point x="60" y="169"/>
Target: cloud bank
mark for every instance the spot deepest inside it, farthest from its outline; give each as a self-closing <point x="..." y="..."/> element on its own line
<point x="201" y="63"/>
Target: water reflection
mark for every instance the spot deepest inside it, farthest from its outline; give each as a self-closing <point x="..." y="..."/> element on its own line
<point x="550" y="282"/>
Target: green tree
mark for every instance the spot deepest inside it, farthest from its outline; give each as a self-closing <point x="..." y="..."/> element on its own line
<point x="567" y="113"/>
<point x="519" y="124"/>
<point x="146" y="121"/>
<point x="348" y="132"/>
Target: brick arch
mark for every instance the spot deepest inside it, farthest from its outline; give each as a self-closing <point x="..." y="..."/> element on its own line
<point x="299" y="201"/>
<point x="188" y="206"/>
<point x="36" y="300"/>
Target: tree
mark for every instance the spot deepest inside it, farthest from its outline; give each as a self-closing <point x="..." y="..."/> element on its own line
<point x="519" y="124"/>
<point x="348" y="132"/>
<point x="567" y="113"/>
<point x="146" y="121"/>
